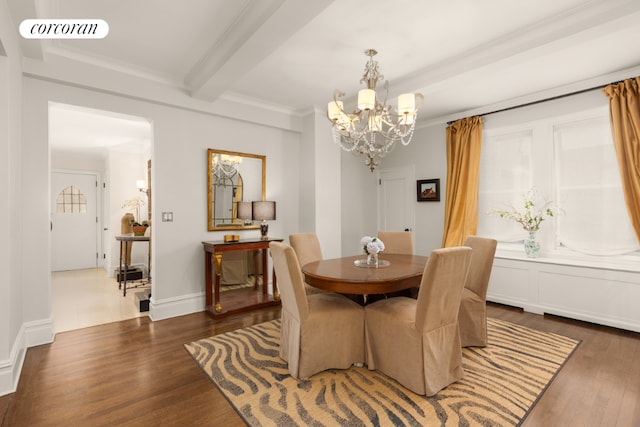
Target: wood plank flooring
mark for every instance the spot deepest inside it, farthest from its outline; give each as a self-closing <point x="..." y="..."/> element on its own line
<point x="137" y="373"/>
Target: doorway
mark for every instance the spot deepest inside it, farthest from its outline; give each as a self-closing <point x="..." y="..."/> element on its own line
<point x="395" y="199"/>
<point x="96" y="158"/>
<point x="74" y="221"/>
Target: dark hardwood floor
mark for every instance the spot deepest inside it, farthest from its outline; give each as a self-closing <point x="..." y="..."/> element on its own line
<point x="137" y="373"/>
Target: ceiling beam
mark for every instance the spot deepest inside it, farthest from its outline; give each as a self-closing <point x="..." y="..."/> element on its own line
<point x="260" y="30"/>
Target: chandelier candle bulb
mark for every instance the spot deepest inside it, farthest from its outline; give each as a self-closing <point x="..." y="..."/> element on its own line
<point x="334" y="110"/>
<point x="366" y="99"/>
<point x="407" y="103"/>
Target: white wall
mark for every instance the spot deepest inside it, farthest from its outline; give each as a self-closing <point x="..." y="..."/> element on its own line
<point x="427" y="152"/>
<point x="12" y="329"/>
<point x="179" y="167"/>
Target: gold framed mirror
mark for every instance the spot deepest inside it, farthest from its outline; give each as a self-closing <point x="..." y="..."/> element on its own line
<point x="233" y="177"/>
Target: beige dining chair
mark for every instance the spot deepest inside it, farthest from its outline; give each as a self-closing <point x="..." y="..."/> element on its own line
<point x="397" y="242"/>
<point x="401" y="243"/>
<point x="317" y="332"/>
<point x="472" y="316"/>
<point x="417" y="342"/>
<point x="307" y="249"/>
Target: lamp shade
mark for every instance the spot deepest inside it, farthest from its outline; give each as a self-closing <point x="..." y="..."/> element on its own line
<point x="245" y="210"/>
<point x="264" y="211"/>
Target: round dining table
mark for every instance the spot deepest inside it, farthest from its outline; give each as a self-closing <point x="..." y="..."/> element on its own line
<point x="342" y="275"/>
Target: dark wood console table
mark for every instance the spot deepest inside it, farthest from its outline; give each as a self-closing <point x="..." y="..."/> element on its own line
<point x="248" y="299"/>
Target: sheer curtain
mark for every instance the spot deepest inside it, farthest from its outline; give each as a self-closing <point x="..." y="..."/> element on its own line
<point x="624" y="104"/>
<point x="464" y="138"/>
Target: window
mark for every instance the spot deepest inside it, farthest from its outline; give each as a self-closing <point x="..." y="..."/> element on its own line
<point x="570" y="160"/>
<point x="71" y="200"/>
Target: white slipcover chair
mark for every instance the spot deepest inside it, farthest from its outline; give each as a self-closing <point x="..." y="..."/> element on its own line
<point x="307" y="249"/>
<point x="397" y="242"/>
<point x="320" y="331"/>
<point x="417" y="341"/>
<point x="472" y="316"/>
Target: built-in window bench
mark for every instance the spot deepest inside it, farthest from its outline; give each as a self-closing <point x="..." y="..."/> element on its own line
<point x="602" y="294"/>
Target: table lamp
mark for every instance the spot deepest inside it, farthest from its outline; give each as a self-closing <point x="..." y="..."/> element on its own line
<point x="245" y="212"/>
<point x="264" y="211"/>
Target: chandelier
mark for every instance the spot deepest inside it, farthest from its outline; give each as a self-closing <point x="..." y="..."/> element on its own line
<point x="224" y="167"/>
<point x="373" y="128"/>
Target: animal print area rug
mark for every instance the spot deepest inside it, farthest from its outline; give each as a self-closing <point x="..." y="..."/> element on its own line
<point x="501" y="384"/>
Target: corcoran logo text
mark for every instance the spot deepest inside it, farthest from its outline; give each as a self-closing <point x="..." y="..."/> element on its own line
<point x="64" y="29"/>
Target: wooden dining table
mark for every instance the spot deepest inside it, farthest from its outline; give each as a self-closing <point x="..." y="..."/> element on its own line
<point x="343" y="276"/>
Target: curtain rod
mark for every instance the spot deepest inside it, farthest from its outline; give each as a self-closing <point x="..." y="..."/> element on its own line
<point x="553" y="98"/>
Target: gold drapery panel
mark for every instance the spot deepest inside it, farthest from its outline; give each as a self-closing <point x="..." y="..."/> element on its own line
<point x="464" y="138"/>
<point x="624" y="111"/>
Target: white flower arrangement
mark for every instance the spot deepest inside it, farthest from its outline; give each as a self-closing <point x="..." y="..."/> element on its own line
<point x="371" y="245"/>
<point x="531" y="218"/>
<point x="135" y="203"/>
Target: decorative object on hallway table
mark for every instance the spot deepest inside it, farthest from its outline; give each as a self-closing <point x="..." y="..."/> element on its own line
<point x="428" y="190"/>
<point x="138" y="227"/>
<point x="501" y="385"/>
<point x="372" y="246"/>
<point x="530" y="218"/>
<point x="373" y="129"/>
<point x="264" y="211"/>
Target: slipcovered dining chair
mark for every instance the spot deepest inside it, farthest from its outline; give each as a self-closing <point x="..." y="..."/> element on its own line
<point x="417" y="342"/>
<point x="472" y="316"/>
<point x="397" y="242"/>
<point x="320" y="331"/>
<point x="307" y="249"/>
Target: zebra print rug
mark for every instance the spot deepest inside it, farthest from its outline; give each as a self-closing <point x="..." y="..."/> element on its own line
<point x="502" y="382"/>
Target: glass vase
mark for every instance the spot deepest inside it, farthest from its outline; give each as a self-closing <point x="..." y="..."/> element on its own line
<point x="531" y="245"/>
<point x="372" y="259"/>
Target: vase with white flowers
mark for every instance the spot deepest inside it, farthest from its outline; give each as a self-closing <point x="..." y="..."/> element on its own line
<point x="372" y="246"/>
<point x="139" y="227"/>
<point x="530" y="218"/>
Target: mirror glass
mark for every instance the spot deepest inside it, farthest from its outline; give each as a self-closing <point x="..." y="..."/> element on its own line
<point x="233" y="177"/>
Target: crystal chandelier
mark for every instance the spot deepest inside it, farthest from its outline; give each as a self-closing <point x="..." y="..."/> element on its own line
<point x="373" y="128"/>
<point x="224" y="167"/>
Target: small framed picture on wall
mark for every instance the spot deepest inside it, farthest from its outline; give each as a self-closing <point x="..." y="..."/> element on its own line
<point x="428" y="190"/>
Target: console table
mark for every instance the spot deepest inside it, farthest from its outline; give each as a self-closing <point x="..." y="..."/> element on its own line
<point x="125" y="252"/>
<point x="239" y="300"/>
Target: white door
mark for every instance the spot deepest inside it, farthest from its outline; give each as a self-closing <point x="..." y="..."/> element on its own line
<point x="74" y="222"/>
<point x="395" y="199"/>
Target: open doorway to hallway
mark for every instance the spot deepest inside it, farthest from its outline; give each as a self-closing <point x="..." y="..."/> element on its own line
<point x="89" y="297"/>
<point x="115" y="148"/>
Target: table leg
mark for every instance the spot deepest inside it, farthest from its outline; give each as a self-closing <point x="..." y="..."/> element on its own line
<point x="120" y="268"/>
<point x="208" y="282"/>
<point x="276" y="294"/>
<point x="126" y="268"/>
<point x="265" y="273"/>
<point x="216" y="289"/>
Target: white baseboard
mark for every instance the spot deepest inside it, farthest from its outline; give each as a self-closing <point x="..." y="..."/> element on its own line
<point x="31" y="334"/>
<point x="10" y="369"/>
<point x="178" y="306"/>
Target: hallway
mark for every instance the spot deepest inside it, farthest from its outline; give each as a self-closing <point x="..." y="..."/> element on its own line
<point x="83" y="298"/>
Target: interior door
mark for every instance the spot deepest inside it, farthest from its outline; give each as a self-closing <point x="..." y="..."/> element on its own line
<point x="395" y="199"/>
<point x="74" y="222"/>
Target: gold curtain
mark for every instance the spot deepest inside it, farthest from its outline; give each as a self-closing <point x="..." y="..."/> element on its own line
<point x="624" y="110"/>
<point x="464" y="138"/>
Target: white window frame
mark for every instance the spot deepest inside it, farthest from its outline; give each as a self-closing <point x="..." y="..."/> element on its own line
<point x="543" y="179"/>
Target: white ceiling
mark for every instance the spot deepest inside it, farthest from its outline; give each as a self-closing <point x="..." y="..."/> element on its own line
<point x="463" y="55"/>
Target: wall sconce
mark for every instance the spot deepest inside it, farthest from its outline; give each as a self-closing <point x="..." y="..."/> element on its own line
<point x="264" y="211"/>
<point x="142" y="186"/>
